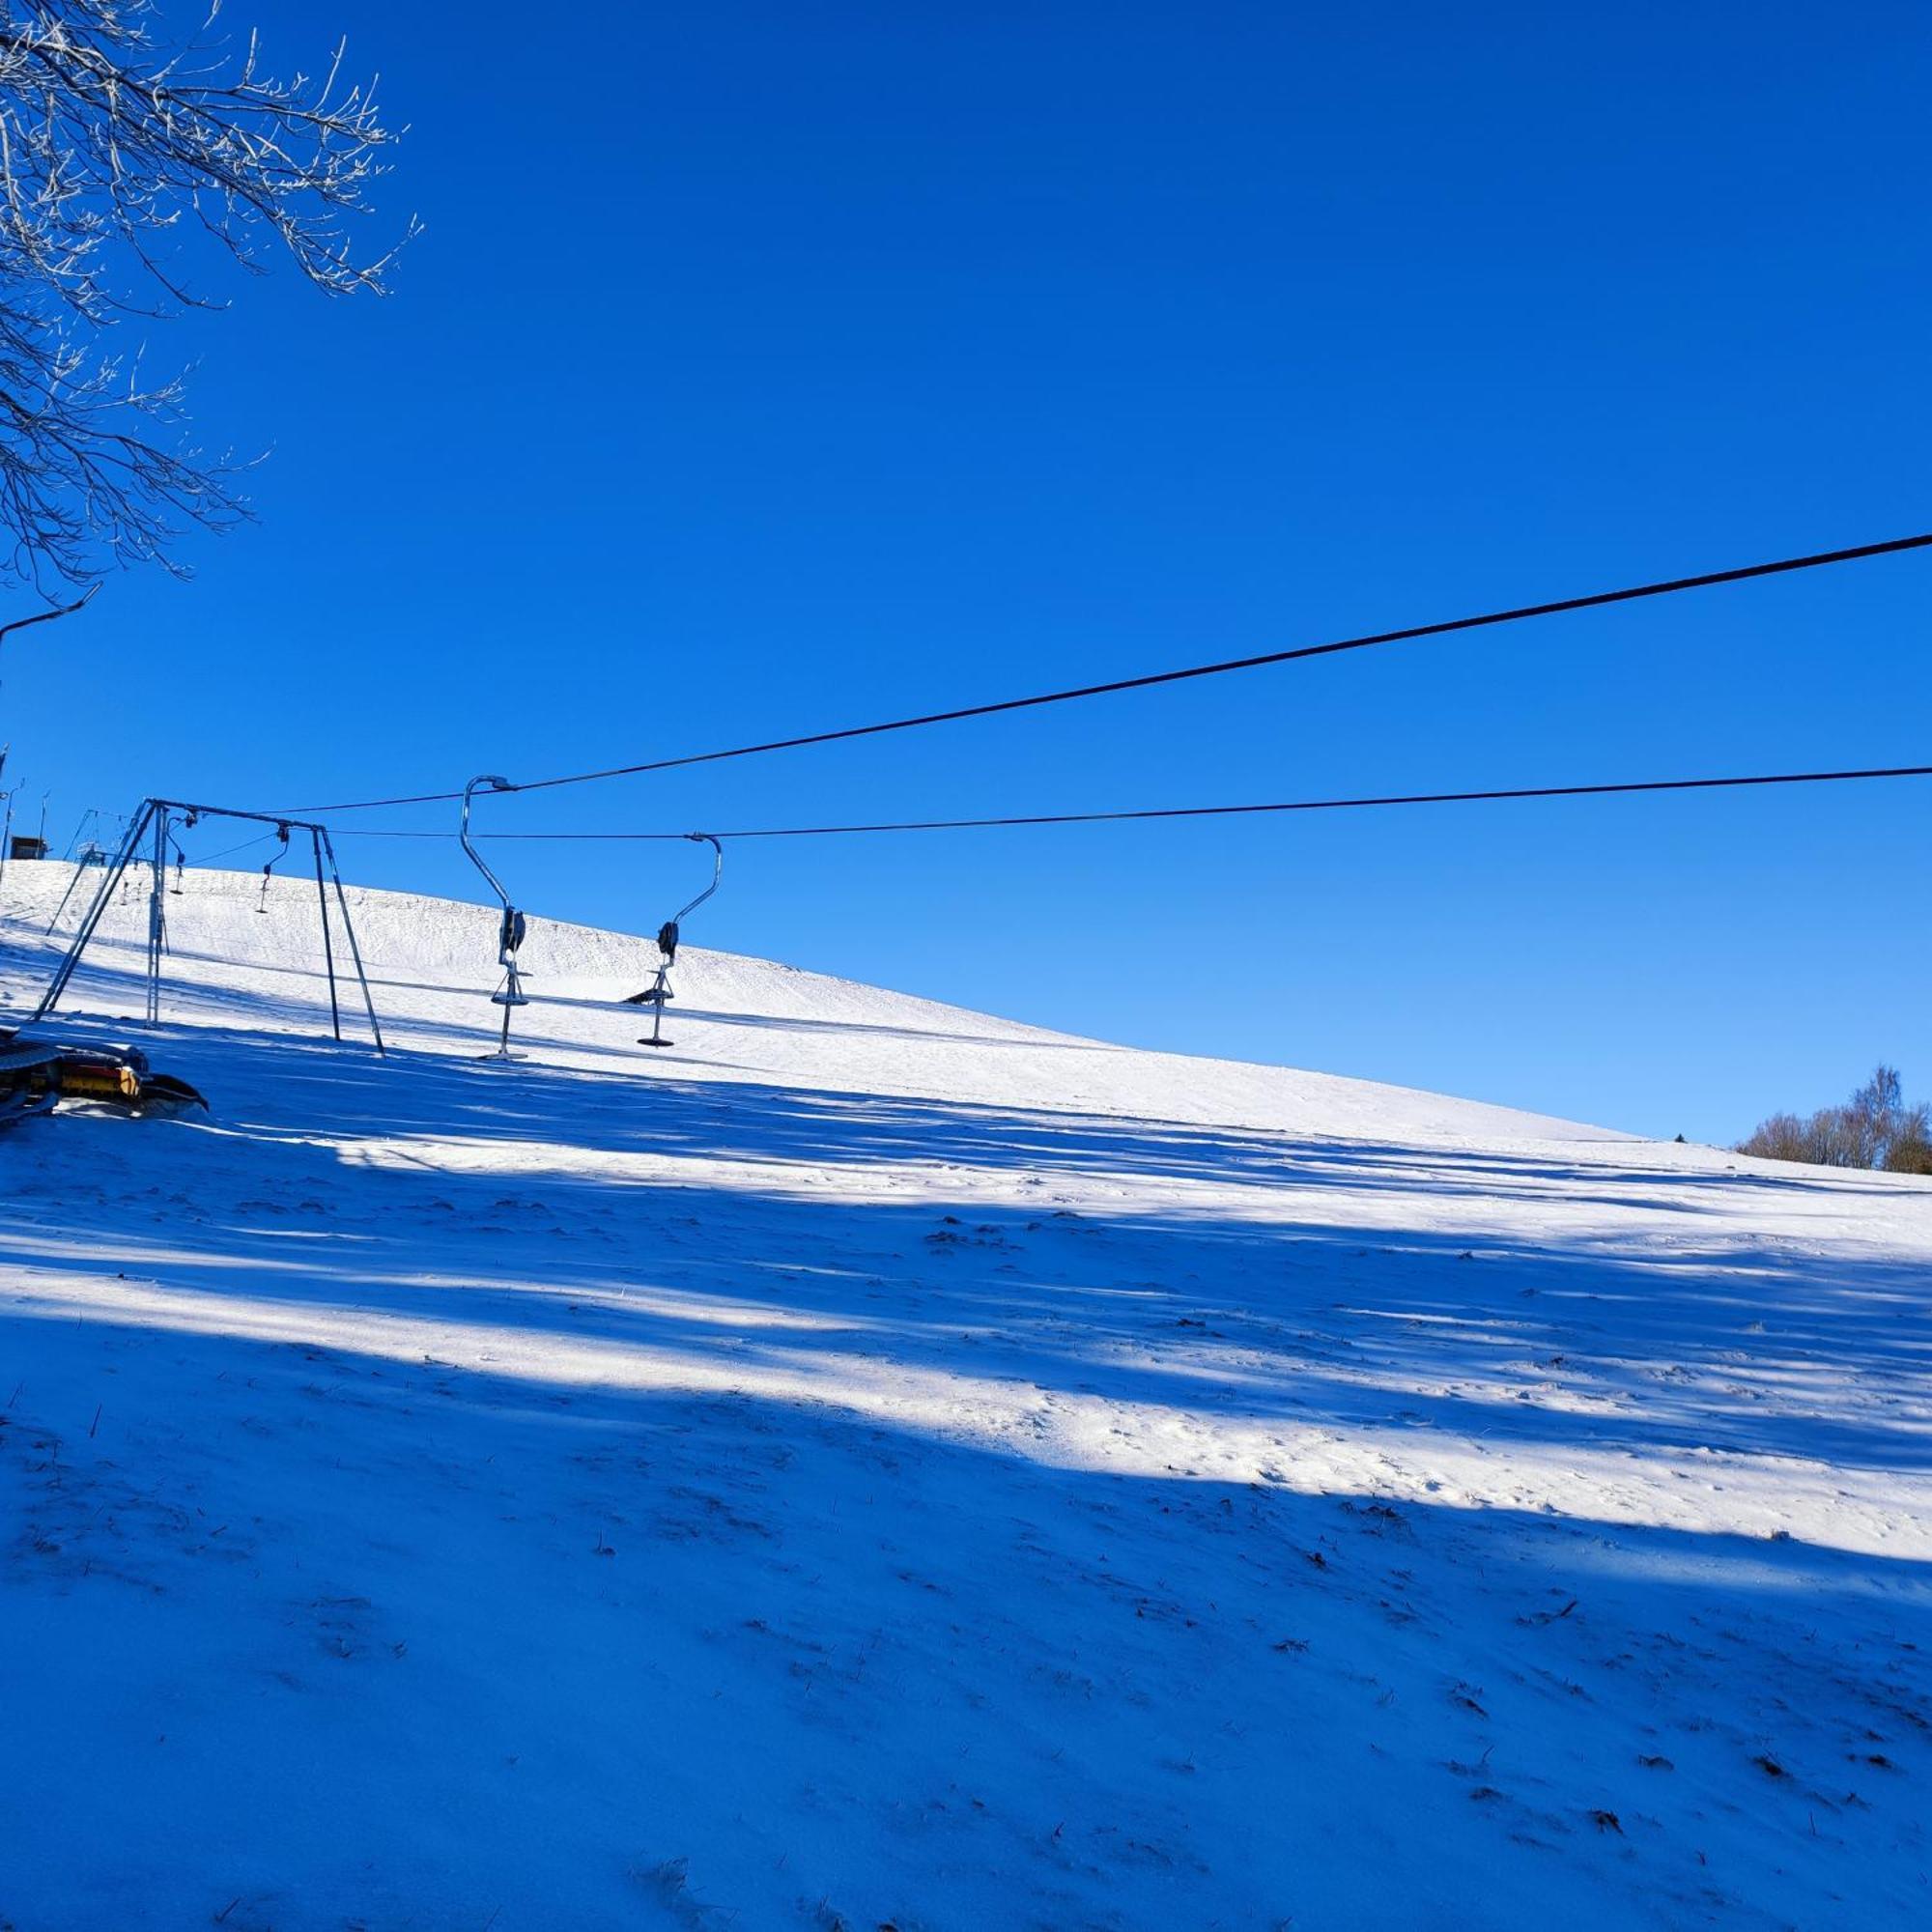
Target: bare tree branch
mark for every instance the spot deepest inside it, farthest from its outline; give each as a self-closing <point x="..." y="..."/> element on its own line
<point x="111" y="135"/>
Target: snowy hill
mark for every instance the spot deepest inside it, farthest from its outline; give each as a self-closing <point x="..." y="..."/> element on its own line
<point x="876" y="1464"/>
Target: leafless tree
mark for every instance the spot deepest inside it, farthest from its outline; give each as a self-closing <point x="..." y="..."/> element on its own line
<point x="120" y="145"/>
<point x="1875" y="1128"/>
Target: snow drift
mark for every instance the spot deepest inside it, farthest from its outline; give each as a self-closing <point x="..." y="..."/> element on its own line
<point x="879" y="1464"/>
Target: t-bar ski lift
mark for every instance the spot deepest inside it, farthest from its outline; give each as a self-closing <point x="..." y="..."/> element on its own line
<point x="659" y="991"/>
<point x="153" y="824"/>
<point x="276" y="857"/>
<point x="510" y="934"/>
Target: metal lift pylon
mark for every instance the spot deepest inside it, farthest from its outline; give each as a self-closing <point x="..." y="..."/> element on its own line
<point x="154" y="822"/>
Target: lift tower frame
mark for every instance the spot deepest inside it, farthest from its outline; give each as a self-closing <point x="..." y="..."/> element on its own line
<point x="153" y="824"/>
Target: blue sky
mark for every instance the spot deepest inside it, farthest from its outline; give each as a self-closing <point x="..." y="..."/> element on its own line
<point x="769" y="368"/>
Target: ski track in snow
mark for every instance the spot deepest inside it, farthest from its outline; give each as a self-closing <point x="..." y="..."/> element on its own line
<point x="878" y="1465"/>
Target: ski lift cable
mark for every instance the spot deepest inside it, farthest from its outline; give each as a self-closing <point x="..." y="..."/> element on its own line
<point x="229" y="851"/>
<point x="1519" y="613"/>
<point x="1617" y="789"/>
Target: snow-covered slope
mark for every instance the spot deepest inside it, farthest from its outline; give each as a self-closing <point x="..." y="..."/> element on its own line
<point x="878" y="1464"/>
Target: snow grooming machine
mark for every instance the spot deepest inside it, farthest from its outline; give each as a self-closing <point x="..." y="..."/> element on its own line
<point x="510" y="935"/>
<point x="659" y="991"/>
<point x="37" y="1074"/>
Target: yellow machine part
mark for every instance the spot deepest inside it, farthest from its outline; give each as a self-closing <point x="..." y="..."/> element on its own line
<point x="101" y="1083"/>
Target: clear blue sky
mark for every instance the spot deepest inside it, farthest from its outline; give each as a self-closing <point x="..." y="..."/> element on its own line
<point x="768" y="368"/>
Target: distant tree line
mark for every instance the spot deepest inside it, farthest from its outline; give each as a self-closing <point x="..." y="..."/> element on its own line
<point x="1874" y="1128"/>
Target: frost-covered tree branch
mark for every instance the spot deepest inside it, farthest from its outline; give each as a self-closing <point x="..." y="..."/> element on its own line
<point x="120" y="147"/>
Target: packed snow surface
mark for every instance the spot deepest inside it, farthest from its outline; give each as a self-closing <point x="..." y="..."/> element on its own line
<point x="876" y="1465"/>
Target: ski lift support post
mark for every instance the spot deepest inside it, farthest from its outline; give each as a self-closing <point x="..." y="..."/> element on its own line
<point x="90" y="818"/>
<point x="510" y="935"/>
<point x="154" y="821"/>
<point x="668" y="937"/>
<point x="90" y="854"/>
